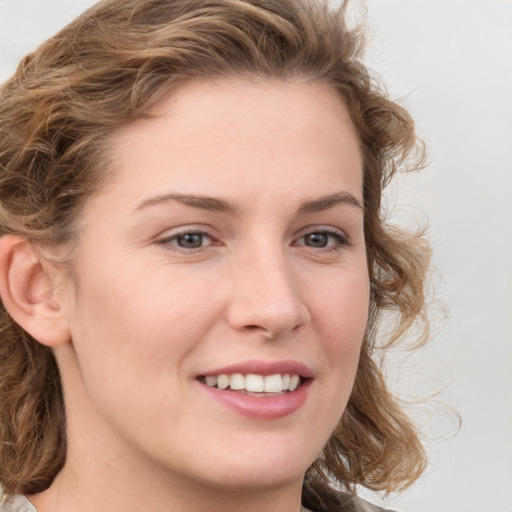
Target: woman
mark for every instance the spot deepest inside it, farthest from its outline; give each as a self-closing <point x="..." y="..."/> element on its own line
<point x="193" y="264"/>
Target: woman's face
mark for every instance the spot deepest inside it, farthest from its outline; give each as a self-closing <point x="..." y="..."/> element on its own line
<point x="227" y="252"/>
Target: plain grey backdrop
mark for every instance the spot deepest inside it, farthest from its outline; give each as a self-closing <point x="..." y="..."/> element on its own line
<point x="450" y="63"/>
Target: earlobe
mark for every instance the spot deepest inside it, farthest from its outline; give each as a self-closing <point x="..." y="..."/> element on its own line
<point x="28" y="292"/>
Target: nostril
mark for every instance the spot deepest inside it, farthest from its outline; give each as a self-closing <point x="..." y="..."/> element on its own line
<point x="267" y="333"/>
<point x="254" y="327"/>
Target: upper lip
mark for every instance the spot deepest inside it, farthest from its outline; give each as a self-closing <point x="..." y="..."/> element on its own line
<point x="264" y="368"/>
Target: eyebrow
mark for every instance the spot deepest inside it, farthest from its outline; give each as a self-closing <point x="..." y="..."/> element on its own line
<point x="222" y="206"/>
<point x="326" y="202"/>
<point x="212" y="204"/>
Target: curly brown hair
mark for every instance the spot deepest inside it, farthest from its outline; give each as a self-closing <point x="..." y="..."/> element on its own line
<point x="108" y="68"/>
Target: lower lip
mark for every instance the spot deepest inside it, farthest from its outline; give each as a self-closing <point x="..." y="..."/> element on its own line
<point x="261" y="407"/>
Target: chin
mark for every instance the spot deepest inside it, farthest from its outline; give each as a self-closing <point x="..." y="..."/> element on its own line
<point x="276" y="470"/>
<point x="255" y="479"/>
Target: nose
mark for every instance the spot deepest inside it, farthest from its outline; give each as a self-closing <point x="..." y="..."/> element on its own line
<point x="266" y="295"/>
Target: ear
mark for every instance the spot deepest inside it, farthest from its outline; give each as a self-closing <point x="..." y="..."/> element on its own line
<point x="29" y="292"/>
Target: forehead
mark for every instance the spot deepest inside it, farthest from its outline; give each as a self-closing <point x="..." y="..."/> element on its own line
<point x="228" y="133"/>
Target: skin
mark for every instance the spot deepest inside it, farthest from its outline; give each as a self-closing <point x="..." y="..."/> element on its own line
<point x="145" y="316"/>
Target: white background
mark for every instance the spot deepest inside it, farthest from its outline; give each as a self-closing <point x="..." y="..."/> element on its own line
<point x="450" y="63"/>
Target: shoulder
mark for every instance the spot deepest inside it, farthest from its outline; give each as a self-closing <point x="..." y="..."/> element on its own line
<point x="349" y="503"/>
<point x="357" y="504"/>
<point x="16" y="504"/>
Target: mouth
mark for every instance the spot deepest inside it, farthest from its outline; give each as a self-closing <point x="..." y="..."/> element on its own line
<point x="259" y="390"/>
<point x="253" y="384"/>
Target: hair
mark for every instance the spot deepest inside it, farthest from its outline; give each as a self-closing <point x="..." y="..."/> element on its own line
<point x="111" y="66"/>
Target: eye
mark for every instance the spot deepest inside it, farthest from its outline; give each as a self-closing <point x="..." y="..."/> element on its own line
<point x="323" y="239"/>
<point x="188" y="240"/>
<point x="316" y="239"/>
<point x="191" y="240"/>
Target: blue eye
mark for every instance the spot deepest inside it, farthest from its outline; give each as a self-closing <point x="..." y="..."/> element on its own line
<point x="316" y="240"/>
<point x="322" y="239"/>
<point x="188" y="240"/>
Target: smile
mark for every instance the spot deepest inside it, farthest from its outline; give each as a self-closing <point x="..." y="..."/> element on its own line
<point x="259" y="390"/>
<point x="254" y="383"/>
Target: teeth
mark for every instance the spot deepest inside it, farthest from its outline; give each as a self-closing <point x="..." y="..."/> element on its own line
<point x="211" y="380"/>
<point x="237" y="381"/>
<point x="273" y="384"/>
<point x="254" y="383"/>
<point x="294" y="382"/>
<point x="222" y="381"/>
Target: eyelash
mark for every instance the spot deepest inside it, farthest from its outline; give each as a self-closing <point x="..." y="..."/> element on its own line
<point x="340" y="240"/>
<point x="168" y="240"/>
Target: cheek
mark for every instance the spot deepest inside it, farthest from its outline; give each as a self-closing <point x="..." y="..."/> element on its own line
<point x="344" y="306"/>
<point x="139" y="326"/>
<point x="132" y="342"/>
<point x="340" y="320"/>
<point x="343" y="318"/>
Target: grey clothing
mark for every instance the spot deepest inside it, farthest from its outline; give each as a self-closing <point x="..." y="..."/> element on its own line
<point x="16" y="504"/>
